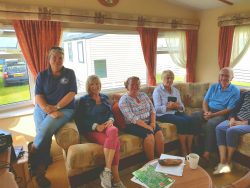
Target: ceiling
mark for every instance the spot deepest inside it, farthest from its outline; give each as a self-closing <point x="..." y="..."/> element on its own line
<point x="203" y="4"/>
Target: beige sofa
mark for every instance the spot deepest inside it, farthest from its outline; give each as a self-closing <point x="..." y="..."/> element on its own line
<point x="84" y="160"/>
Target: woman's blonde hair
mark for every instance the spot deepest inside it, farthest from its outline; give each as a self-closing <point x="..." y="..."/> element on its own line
<point x="55" y="49"/>
<point x="126" y="83"/>
<point x="90" y="80"/>
<point x="167" y="73"/>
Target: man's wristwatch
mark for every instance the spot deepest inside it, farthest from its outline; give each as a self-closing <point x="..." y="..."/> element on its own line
<point x="58" y="107"/>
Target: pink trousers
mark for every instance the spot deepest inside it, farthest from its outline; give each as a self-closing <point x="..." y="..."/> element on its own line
<point x="109" y="139"/>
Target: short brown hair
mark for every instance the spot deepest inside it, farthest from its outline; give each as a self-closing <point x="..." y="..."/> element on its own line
<point x="55" y="49"/>
<point x="90" y="80"/>
<point x="126" y="83"/>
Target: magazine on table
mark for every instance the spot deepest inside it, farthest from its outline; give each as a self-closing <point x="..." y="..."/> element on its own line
<point x="148" y="177"/>
<point x="173" y="170"/>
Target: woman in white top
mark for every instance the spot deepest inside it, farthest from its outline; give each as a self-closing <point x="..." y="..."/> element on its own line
<point x="169" y="108"/>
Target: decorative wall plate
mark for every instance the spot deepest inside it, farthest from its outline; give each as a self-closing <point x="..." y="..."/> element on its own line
<point x="109" y="3"/>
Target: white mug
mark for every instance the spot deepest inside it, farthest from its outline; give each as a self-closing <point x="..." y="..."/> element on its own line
<point x="193" y="160"/>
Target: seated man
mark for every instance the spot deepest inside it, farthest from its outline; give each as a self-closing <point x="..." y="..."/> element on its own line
<point x="219" y="100"/>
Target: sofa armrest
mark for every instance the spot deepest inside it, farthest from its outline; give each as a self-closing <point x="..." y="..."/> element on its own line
<point x="68" y="135"/>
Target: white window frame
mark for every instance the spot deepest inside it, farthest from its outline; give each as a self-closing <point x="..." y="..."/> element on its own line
<point x="80" y="52"/>
<point x="164" y="50"/>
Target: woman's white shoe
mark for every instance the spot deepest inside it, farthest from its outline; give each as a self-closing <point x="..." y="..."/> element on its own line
<point x="222" y="168"/>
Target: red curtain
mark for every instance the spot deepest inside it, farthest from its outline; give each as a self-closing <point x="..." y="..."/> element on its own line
<point x="149" y="44"/>
<point x="225" y="45"/>
<point x="191" y="42"/>
<point x="35" y="39"/>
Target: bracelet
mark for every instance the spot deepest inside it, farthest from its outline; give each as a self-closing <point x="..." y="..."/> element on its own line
<point x="94" y="126"/>
<point x="112" y="119"/>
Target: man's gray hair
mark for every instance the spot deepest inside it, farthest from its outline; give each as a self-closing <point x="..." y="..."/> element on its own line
<point x="229" y="70"/>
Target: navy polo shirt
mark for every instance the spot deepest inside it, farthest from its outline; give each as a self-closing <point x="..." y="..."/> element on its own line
<point x="55" y="88"/>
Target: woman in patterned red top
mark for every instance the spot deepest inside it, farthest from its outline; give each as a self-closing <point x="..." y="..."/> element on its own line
<point x="139" y="114"/>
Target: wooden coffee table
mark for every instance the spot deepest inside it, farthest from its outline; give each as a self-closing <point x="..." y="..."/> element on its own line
<point x="192" y="178"/>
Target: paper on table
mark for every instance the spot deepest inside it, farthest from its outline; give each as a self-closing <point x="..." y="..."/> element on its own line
<point x="173" y="170"/>
<point x="134" y="179"/>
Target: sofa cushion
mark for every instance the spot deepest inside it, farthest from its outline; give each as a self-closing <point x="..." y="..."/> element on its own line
<point x="67" y="135"/>
<point x="168" y="130"/>
<point x="244" y="143"/>
<point x="130" y="145"/>
<point x="192" y="94"/>
<point x="119" y="120"/>
<point x="83" y="157"/>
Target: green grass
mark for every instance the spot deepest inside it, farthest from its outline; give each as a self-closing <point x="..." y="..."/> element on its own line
<point x="182" y="79"/>
<point x="246" y="84"/>
<point x="13" y="94"/>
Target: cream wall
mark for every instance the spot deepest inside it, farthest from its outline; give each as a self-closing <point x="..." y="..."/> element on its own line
<point x="157" y="8"/>
<point x="140" y="7"/>
<point x="207" y="60"/>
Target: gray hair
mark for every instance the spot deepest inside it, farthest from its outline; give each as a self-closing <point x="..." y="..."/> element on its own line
<point x="229" y="70"/>
<point x="167" y="73"/>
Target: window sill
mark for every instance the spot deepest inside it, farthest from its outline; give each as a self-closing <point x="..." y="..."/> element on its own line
<point x="21" y="111"/>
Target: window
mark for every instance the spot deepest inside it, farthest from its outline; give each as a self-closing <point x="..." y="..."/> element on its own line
<point x="100" y="68"/>
<point x="80" y="51"/>
<point x="14" y="74"/>
<point x="70" y="52"/>
<point x="240" y="55"/>
<point x="113" y="57"/>
<point x="171" y="54"/>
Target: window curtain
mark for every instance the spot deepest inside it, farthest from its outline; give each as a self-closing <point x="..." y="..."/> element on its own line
<point x="225" y="45"/>
<point x="191" y="42"/>
<point x="35" y="39"/>
<point x="148" y="38"/>
<point x="241" y="43"/>
<point x="176" y="46"/>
